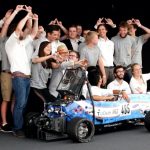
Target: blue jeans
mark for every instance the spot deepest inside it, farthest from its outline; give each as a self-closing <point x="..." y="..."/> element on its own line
<point x="21" y="87"/>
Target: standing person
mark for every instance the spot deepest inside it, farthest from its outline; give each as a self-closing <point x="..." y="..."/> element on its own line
<point x="79" y="33"/>
<point x="138" y="82"/>
<point x="124" y="47"/>
<point x="92" y="53"/>
<point x="6" y="80"/>
<point x="72" y="42"/>
<point x="41" y="69"/>
<point x="106" y="47"/>
<point x="52" y="35"/>
<point x="140" y="40"/>
<point x="20" y="66"/>
<point x="81" y="45"/>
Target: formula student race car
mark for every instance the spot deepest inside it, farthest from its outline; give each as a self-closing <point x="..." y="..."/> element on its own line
<point x="78" y="118"/>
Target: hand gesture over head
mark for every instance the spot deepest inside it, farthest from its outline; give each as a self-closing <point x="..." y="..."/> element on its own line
<point x="129" y="22"/>
<point x="109" y="21"/>
<point x="19" y="8"/>
<point x="99" y="21"/>
<point x="137" y="22"/>
<point x="28" y="9"/>
<point x="35" y="17"/>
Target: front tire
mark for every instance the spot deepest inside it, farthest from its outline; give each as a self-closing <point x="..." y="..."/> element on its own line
<point x="147" y="121"/>
<point x="30" y="126"/>
<point x="80" y="130"/>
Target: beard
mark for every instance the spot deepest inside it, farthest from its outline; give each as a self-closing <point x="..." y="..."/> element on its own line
<point x="21" y="38"/>
<point x="123" y="36"/>
<point x="120" y="77"/>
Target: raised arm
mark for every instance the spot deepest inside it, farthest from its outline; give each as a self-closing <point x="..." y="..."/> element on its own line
<point x="6" y="23"/>
<point x="7" y="15"/>
<point x="110" y="22"/>
<point x="147" y="30"/>
<point x="29" y="22"/>
<point x="22" y="23"/>
<point x="35" y="26"/>
<point x="59" y="23"/>
<point x="8" y="19"/>
<point x="99" y="21"/>
<point x="138" y="23"/>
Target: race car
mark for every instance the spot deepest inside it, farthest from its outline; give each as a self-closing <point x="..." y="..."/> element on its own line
<point x="77" y="118"/>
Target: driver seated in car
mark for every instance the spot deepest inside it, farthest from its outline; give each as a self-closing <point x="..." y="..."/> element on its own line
<point x="119" y="83"/>
<point x="98" y="93"/>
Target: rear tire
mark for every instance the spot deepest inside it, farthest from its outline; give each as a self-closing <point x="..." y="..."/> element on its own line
<point x="80" y="130"/>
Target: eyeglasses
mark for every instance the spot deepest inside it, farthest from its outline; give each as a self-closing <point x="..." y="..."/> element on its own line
<point x="120" y="71"/>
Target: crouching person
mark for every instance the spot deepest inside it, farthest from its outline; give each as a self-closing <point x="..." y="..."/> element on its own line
<point x="41" y="71"/>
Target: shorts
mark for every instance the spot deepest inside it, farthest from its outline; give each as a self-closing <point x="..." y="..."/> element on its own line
<point x="6" y="86"/>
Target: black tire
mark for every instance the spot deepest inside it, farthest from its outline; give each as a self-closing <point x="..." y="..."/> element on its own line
<point x="147" y="121"/>
<point x="80" y="130"/>
<point x="30" y="126"/>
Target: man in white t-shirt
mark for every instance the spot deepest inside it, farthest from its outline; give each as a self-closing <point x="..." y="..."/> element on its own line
<point x="20" y="65"/>
<point x="106" y="47"/>
<point x="119" y="83"/>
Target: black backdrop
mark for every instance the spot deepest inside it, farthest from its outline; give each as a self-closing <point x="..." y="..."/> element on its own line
<point x="87" y="12"/>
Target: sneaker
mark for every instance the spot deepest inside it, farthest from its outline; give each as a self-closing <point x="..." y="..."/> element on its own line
<point x="6" y="128"/>
<point x="19" y="133"/>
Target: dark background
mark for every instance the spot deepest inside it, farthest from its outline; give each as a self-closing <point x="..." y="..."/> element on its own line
<point x="86" y="12"/>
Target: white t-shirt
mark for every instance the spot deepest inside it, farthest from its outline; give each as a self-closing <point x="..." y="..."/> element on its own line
<point x="74" y="44"/>
<point x="115" y="85"/>
<point x="96" y="91"/>
<point x="107" y="50"/>
<point x="137" y="87"/>
<point x="17" y="54"/>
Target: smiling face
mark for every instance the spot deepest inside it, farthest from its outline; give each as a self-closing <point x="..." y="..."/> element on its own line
<point x="136" y="70"/>
<point x="53" y="36"/>
<point x="47" y="49"/>
<point x="123" y="31"/>
<point x="102" y="31"/>
<point x="73" y="56"/>
<point x="119" y="74"/>
<point x="132" y="30"/>
<point x="72" y="32"/>
<point x="63" y="52"/>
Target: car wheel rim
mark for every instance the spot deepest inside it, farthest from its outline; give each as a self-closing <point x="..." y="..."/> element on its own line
<point x="83" y="130"/>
